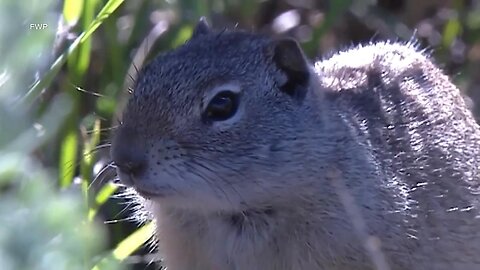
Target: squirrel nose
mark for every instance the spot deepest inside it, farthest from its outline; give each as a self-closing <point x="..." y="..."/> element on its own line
<point x="127" y="152"/>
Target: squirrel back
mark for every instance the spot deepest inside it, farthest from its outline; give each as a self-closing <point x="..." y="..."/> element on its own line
<point x="249" y="156"/>
<point x="422" y="139"/>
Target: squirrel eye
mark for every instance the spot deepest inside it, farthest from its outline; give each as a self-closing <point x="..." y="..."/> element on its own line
<point x="222" y="106"/>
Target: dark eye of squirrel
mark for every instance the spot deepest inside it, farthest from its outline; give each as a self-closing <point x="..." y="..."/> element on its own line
<point x="222" y="106"/>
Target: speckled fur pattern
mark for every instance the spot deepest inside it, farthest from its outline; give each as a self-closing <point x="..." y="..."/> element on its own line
<point x="255" y="194"/>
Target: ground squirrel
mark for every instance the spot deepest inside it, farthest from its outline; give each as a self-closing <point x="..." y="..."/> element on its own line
<point x="251" y="157"/>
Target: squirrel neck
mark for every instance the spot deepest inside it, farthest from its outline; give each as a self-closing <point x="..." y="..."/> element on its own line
<point x="245" y="240"/>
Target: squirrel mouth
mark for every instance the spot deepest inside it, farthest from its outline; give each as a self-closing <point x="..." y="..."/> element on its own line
<point x="125" y="178"/>
<point x="148" y="194"/>
<point x="144" y="191"/>
<point x="148" y="191"/>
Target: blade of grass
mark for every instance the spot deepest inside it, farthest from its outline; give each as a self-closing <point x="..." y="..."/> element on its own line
<point x="69" y="141"/>
<point x="102" y="197"/>
<point x="115" y="59"/>
<point x="80" y="59"/>
<point x="129" y="245"/>
<point x="72" y="11"/>
<point x="88" y="158"/>
<point x="77" y="65"/>
<point x="89" y="149"/>
<point x="68" y="153"/>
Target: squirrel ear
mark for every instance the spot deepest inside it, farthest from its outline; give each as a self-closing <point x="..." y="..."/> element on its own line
<point x="202" y="28"/>
<point x="289" y="57"/>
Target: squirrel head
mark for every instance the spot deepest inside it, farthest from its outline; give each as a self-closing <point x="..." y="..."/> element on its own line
<point x="211" y="123"/>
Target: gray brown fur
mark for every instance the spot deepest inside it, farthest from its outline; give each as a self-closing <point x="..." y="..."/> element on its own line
<point x="255" y="193"/>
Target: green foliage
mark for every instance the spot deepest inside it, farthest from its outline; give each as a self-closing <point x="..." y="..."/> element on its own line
<point x="41" y="228"/>
<point x="44" y="227"/>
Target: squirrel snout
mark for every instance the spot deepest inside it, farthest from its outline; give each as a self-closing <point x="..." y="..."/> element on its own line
<point x="127" y="152"/>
